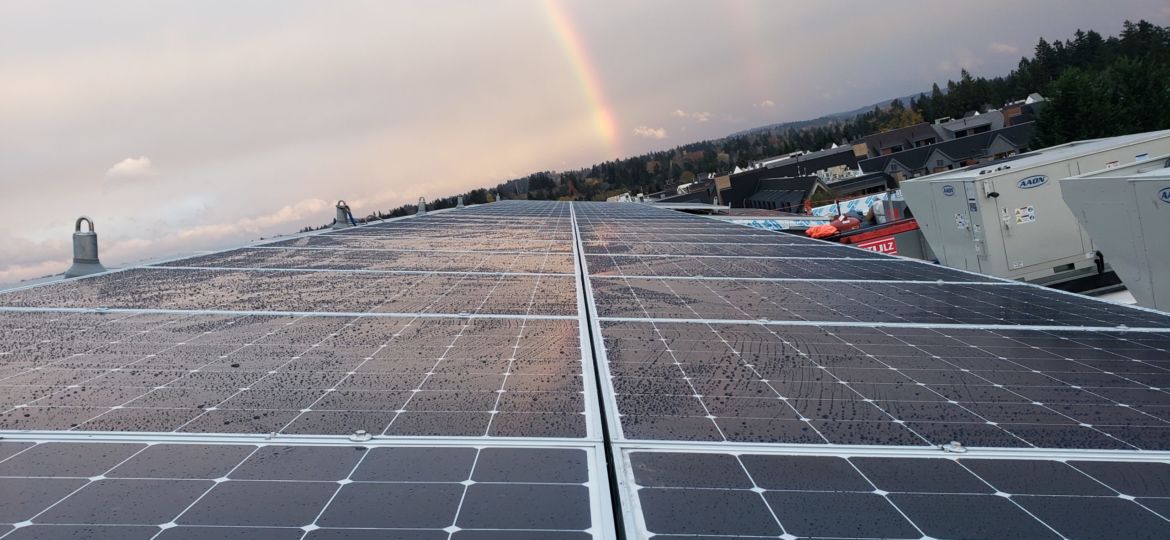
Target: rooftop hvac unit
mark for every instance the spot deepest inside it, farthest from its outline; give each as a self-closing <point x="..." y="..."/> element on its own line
<point x="1007" y="218"/>
<point x="1126" y="211"/>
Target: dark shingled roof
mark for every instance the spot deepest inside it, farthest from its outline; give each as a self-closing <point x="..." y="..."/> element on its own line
<point x="864" y="181"/>
<point x="908" y="134"/>
<point x="971" y="146"/>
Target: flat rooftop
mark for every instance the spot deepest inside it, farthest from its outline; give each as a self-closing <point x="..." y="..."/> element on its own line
<point x="552" y="370"/>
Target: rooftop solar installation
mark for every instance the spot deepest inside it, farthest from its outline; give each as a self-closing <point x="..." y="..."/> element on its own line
<point x="532" y="370"/>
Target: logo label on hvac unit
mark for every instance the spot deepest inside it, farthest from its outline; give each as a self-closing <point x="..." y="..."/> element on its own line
<point x="1032" y="181"/>
<point x="948" y="190"/>
<point x="1164" y="195"/>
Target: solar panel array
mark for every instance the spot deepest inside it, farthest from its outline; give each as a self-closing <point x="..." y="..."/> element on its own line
<point x="530" y="370"/>
<point x="423" y="378"/>
<point x="773" y="386"/>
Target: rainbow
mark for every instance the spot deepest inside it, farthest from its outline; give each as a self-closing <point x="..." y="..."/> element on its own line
<point x="586" y="72"/>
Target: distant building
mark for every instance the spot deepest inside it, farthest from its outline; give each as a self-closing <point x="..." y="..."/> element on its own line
<point x="862" y="184"/>
<point x="799" y="163"/>
<point x="740" y="185"/>
<point x="953" y="154"/>
<point x="973" y="123"/>
<point x="898" y="140"/>
<point x="785" y="194"/>
<point x="1024" y="110"/>
<point x="947" y="129"/>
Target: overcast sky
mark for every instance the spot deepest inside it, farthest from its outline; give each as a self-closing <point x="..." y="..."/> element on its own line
<point x="183" y="126"/>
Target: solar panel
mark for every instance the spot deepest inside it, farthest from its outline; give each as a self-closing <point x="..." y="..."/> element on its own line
<point x="309" y="291"/>
<point x="910" y="386"/>
<point x="57" y="490"/>
<point x="384" y="260"/>
<point x="881" y="497"/>
<point x="825" y="269"/>
<point x="423" y="378"/>
<point x="858" y="301"/>
<point x="527" y="370"/>
<point x="751" y="250"/>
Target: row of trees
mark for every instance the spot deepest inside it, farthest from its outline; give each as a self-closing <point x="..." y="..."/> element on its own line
<point x="1096" y="87"/>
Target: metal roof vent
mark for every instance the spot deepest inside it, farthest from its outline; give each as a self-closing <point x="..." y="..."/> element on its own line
<point x="344" y="217"/>
<point x="459" y="203"/>
<point x="85" y="251"/>
<point x="422" y="206"/>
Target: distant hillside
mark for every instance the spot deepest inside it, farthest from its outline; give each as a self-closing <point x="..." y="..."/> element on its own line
<point x="827" y="119"/>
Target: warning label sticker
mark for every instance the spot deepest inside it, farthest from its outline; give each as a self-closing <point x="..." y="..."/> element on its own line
<point x="960" y="221"/>
<point x="1025" y="214"/>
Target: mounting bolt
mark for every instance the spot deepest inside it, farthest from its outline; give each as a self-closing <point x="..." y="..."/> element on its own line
<point x="954" y="447"/>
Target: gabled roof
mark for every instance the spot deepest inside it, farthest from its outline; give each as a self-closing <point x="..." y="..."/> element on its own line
<point x="893" y="165"/>
<point x="779" y="196"/>
<point x="938" y="151"/>
<point x="902" y="136"/>
<point x="1003" y="142"/>
<point x="969" y="147"/>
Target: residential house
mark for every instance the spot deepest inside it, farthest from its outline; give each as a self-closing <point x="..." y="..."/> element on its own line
<point x="785" y="194"/>
<point x="953" y="154"/>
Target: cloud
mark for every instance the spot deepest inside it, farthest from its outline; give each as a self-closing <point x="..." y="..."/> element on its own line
<point x="21" y="258"/>
<point x="697" y="116"/>
<point x="650" y="133"/>
<point x="131" y="169"/>
<point x="766" y="104"/>
<point x="310" y="209"/>
<point x="1003" y="48"/>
